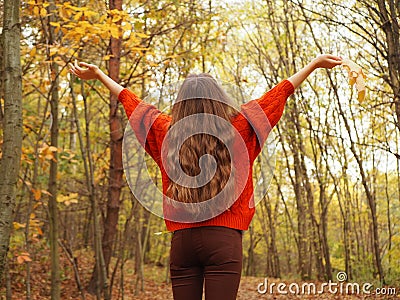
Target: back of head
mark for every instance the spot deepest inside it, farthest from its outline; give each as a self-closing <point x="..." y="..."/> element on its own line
<point x="199" y="148"/>
<point x="201" y="94"/>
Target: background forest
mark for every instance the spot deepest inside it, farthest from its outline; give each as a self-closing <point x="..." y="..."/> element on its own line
<point x="333" y="203"/>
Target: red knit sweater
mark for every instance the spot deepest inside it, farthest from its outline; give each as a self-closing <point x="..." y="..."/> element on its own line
<point x="250" y="123"/>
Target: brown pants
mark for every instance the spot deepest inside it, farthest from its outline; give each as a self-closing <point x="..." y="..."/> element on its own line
<point x="209" y="255"/>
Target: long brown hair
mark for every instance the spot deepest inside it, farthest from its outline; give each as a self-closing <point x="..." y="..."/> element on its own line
<point x="201" y="94"/>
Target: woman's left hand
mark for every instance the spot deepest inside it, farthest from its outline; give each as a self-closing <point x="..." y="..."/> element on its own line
<point x="327" y="61"/>
<point x="88" y="71"/>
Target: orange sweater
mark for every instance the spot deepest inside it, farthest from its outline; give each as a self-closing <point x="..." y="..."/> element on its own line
<point x="252" y="125"/>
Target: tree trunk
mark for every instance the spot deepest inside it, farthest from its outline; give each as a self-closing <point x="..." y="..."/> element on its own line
<point x="12" y="122"/>
<point x="116" y="167"/>
<point x="368" y="193"/>
<point x="301" y="205"/>
<point x="89" y="175"/>
<point x="390" y="27"/>
<point x="323" y="202"/>
<point x="315" y="245"/>
<point x="52" y="204"/>
<point x="250" y="254"/>
<point x="116" y="135"/>
<point x="269" y="234"/>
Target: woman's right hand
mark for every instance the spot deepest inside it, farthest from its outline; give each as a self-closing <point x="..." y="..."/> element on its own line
<point x="322" y="61"/>
<point x="88" y="71"/>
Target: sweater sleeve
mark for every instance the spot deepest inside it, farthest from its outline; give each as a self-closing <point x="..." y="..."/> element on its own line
<point x="264" y="113"/>
<point x="148" y="123"/>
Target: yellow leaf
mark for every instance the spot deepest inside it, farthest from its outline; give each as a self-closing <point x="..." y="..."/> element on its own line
<point x="76" y="8"/>
<point x="59" y="62"/>
<point x="53" y="51"/>
<point x="80" y="30"/>
<point x="102" y="18"/>
<point x="32" y="53"/>
<point x="116" y="18"/>
<point x="64" y="13"/>
<point x="78" y="16"/>
<point x="141" y="35"/>
<point x="43" y="12"/>
<point x="138" y="48"/>
<point x="361" y="96"/>
<point x="352" y="80"/>
<point x="34" y="223"/>
<point x="64" y="72"/>
<point x="18" y="225"/>
<point x="36" y="11"/>
<point x="68" y="199"/>
<point x="43" y="87"/>
<point x="114" y="30"/>
<point x="356" y="76"/>
<point x="126" y="26"/>
<point x="55" y="24"/>
<point x="90" y="13"/>
<point x="37" y="194"/>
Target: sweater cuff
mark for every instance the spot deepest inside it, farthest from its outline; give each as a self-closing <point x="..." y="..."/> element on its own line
<point x="288" y="87"/>
<point x="129" y="100"/>
<point x="126" y="94"/>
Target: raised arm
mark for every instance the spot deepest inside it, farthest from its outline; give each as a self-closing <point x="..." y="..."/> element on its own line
<point x="148" y="123"/>
<point x="322" y="61"/>
<point x="264" y="113"/>
<point x="90" y="71"/>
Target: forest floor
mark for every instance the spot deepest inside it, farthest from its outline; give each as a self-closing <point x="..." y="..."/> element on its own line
<point x="154" y="283"/>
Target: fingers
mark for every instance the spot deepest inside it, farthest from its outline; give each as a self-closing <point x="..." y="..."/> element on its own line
<point x="334" y="57"/>
<point x="76" y="64"/>
<point x="330" y="64"/>
<point x="332" y="61"/>
<point x="76" y="68"/>
<point x="83" y="70"/>
<point x="85" y="65"/>
<point x="335" y="61"/>
<point x="72" y="69"/>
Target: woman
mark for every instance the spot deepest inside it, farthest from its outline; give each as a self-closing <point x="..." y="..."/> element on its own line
<point x="205" y="150"/>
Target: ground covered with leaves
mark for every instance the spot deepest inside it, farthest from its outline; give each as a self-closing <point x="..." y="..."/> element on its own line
<point x="153" y="287"/>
